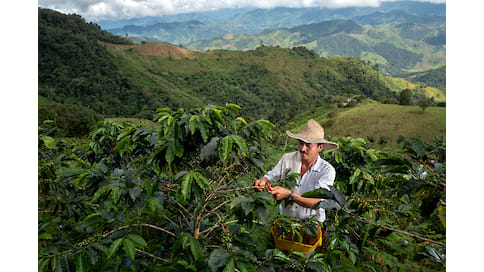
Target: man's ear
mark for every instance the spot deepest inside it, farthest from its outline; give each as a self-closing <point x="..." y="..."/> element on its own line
<point x="321" y="147"/>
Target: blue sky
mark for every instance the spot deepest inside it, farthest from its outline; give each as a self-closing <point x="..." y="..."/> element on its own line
<point x="106" y="9"/>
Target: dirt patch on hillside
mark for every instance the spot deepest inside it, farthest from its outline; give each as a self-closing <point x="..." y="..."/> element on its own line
<point x="157" y="49"/>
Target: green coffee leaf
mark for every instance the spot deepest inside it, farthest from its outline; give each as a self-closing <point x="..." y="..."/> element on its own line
<point x="319" y="193"/>
<point x="134" y="192"/>
<point x="225" y="149"/>
<point x="218" y="258"/>
<point x="101" y="191"/>
<point x="241" y="144"/>
<point x="230" y="266"/>
<point x="81" y="263"/>
<point x="186" y="186"/>
<point x="129" y="247"/>
<point x="43" y="264"/>
<point x="327" y="204"/>
<point x="114" y="247"/>
<point x="137" y="240"/>
<point x="195" y="248"/>
<point x="193" y="124"/>
<point x="245" y="266"/>
<point x="200" y="179"/>
<point x="48" y="141"/>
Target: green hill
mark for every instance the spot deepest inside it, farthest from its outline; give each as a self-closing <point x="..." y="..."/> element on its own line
<point x="107" y="74"/>
<point x="434" y="77"/>
<point x="383" y="124"/>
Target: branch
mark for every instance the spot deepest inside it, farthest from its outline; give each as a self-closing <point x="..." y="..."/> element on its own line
<point x="137" y="225"/>
<point x="220" y="205"/>
<point x="216" y="226"/>
<point x="361" y="219"/>
<point x="237" y="189"/>
<point x="182" y="209"/>
<point x="151" y="255"/>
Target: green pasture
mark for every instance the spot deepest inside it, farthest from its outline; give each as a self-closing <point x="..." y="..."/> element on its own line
<point x="387" y="123"/>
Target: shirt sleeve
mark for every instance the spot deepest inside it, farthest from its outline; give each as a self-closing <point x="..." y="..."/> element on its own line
<point x="328" y="177"/>
<point x="274" y="173"/>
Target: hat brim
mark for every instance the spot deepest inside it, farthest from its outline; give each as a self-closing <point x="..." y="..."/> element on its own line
<point x="312" y="140"/>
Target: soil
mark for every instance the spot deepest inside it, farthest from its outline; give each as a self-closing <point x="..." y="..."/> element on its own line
<point x="158" y="49"/>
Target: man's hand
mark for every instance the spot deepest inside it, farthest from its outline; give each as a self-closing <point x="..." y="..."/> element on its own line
<point x="261" y="184"/>
<point x="280" y="193"/>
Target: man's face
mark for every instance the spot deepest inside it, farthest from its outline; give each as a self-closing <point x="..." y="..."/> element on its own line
<point x="309" y="152"/>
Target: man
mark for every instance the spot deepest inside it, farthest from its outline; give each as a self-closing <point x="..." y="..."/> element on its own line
<point x="314" y="173"/>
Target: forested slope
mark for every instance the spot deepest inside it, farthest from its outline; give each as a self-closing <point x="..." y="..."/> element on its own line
<point x="80" y="64"/>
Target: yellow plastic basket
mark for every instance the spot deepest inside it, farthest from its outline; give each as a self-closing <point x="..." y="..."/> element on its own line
<point x="288" y="245"/>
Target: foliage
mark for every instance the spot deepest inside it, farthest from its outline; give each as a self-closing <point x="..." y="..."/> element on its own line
<point x="434" y="77"/>
<point x="294" y="229"/>
<point x="75" y="68"/>
<point x="405" y="96"/>
<point x="423" y="104"/>
<point x="79" y="64"/>
<point x="393" y="202"/>
<point x="181" y="198"/>
<point x="72" y="120"/>
<point x="118" y="203"/>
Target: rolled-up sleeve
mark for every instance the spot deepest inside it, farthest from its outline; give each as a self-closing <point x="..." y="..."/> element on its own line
<point x="274" y="173"/>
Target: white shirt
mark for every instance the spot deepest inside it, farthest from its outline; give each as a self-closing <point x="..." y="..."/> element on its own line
<point x="320" y="175"/>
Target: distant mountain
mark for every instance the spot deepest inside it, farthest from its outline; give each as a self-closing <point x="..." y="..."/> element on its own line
<point x="204" y="17"/>
<point x="253" y="20"/>
<point x="409" y="43"/>
<point x="283" y="37"/>
<point x="398" y="16"/>
<point x="78" y="66"/>
<point x="249" y="20"/>
<point x="400" y="37"/>
<point x="177" y="32"/>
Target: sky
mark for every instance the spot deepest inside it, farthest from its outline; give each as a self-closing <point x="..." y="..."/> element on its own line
<point x="121" y="9"/>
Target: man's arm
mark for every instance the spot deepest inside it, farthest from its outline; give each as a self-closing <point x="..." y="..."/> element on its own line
<point x="280" y="193"/>
<point x="269" y="177"/>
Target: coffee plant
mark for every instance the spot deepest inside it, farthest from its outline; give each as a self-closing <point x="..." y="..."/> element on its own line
<point x="180" y="198"/>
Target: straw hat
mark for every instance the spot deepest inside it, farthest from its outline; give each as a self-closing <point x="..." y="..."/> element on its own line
<point x="313" y="133"/>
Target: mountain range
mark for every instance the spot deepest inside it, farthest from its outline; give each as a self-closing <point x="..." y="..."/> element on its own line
<point x="85" y="69"/>
<point x="400" y="37"/>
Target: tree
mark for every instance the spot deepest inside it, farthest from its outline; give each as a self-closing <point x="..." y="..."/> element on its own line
<point x="423" y="104"/>
<point x="405" y="97"/>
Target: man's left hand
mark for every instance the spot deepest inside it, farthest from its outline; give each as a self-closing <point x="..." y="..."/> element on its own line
<point x="280" y="193"/>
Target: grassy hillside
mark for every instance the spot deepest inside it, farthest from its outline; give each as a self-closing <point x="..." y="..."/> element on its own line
<point x="375" y="121"/>
<point x="388" y="124"/>
<point x="370" y="120"/>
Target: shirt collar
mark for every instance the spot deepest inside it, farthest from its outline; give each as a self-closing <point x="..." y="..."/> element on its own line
<point x="317" y="166"/>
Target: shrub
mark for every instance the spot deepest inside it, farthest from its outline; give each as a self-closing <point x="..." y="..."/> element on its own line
<point x="383" y="140"/>
<point x="72" y="120"/>
<point x="180" y="198"/>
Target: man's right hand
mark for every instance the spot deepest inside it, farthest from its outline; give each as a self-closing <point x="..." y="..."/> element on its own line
<point x="261" y="184"/>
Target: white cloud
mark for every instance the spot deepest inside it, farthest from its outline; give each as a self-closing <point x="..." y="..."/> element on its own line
<point x="98" y="9"/>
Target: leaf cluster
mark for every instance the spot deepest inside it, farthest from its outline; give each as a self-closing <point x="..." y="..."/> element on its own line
<point x="180" y="198"/>
<point x="123" y="198"/>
